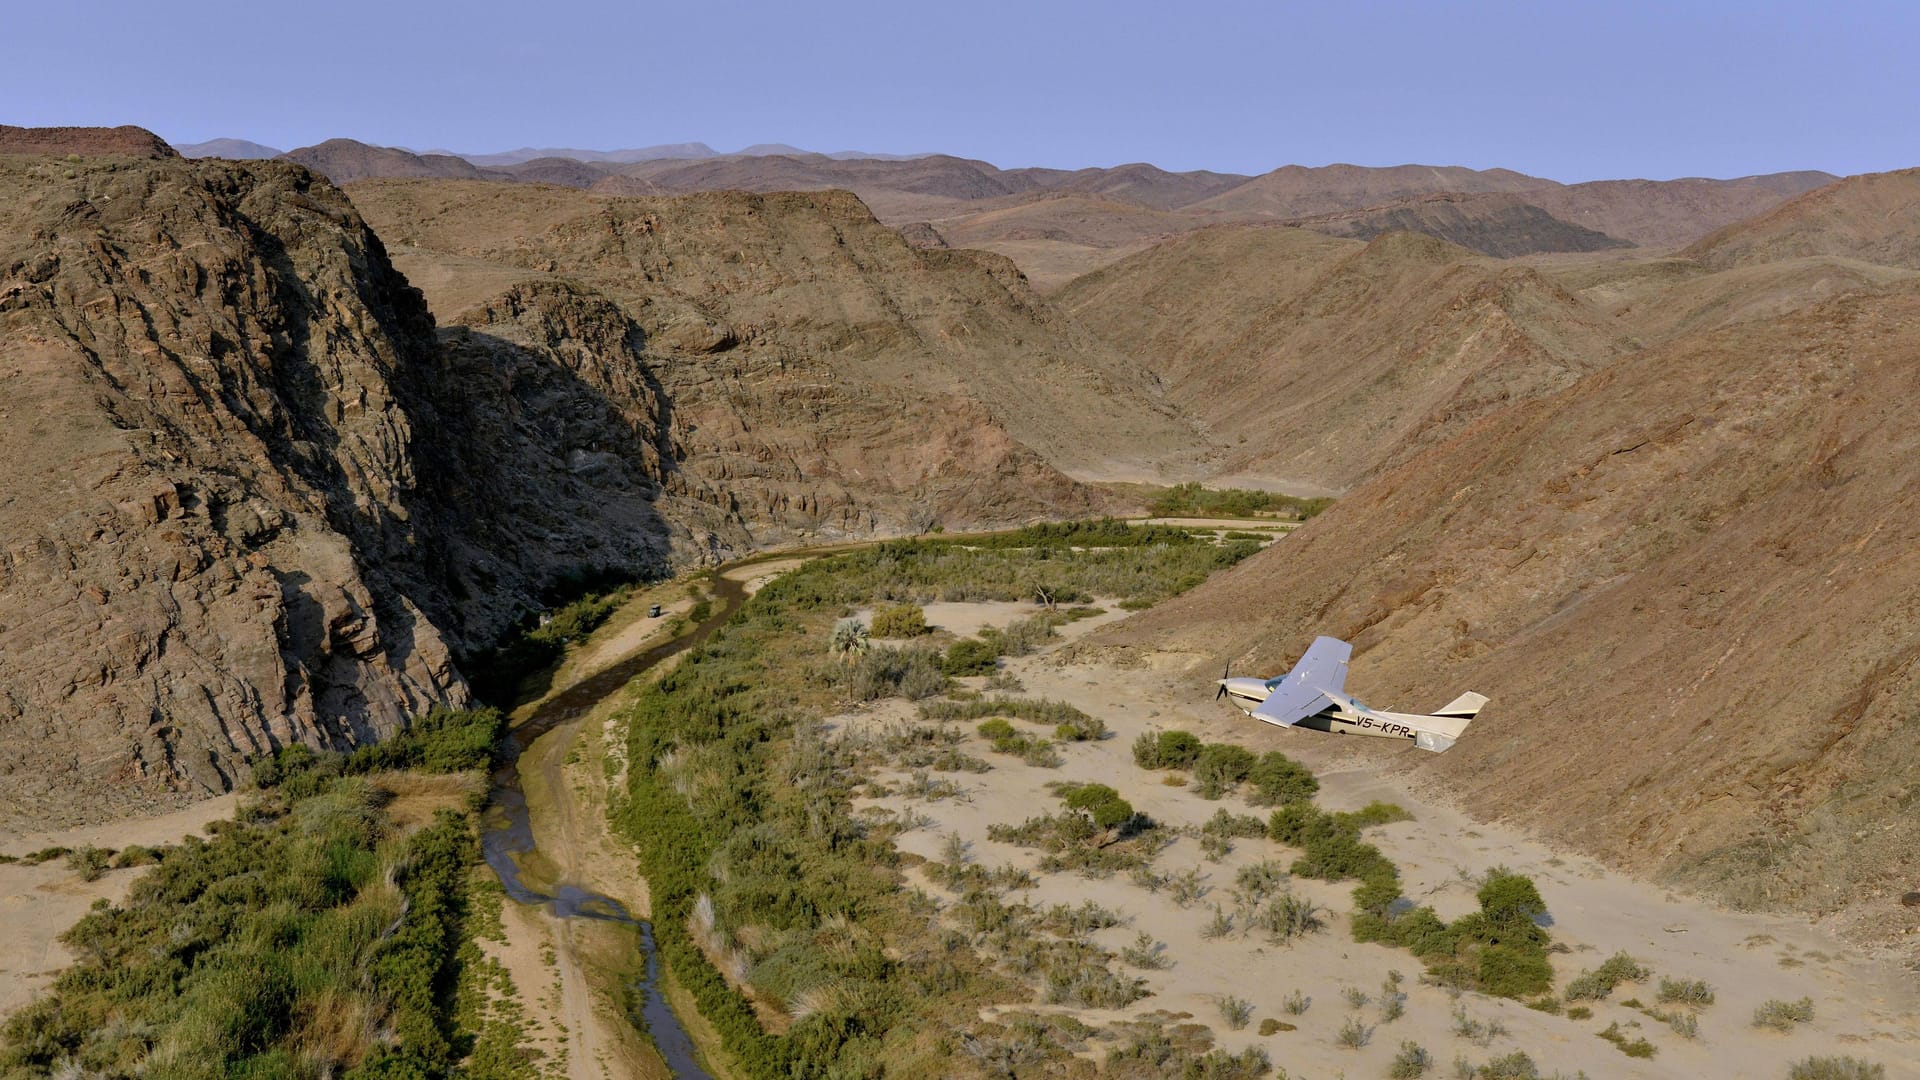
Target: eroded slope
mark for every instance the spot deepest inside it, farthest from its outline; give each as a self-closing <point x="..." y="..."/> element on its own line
<point x="1688" y="582"/>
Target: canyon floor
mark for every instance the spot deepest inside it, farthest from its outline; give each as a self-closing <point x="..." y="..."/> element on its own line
<point x="1864" y="1005"/>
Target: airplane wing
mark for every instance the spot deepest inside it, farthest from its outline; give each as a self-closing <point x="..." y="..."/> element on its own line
<point x="1323" y="666"/>
<point x="1291" y="702"/>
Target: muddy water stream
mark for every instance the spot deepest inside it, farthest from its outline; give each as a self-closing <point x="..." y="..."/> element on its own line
<point x="507" y="835"/>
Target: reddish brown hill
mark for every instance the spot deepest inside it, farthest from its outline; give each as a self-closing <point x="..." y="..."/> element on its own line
<point x="1689" y="583"/>
<point x="1141" y="183"/>
<point x="1667" y="213"/>
<point x="124" y="141"/>
<point x="1874" y="218"/>
<point x="344" y="161"/>
<point x="1348" y="360"/>
<point x="1495" y="224"/>
<point x="1295" y="191"/>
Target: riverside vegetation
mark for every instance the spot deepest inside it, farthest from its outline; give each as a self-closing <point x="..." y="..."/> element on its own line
<point x="325" y="931"/>
<point x="773" y="897"/>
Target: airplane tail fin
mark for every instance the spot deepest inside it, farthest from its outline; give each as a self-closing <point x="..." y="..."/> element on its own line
<point x="1447" y="725"/>
<point x="1467" y="706"/>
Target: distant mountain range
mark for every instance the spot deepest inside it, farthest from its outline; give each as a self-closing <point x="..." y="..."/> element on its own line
<point x="1059" y="224"/>
<point x="246" y="150"/>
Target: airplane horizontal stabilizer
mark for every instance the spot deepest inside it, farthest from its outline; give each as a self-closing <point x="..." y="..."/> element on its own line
<point x="1432" y="740"/>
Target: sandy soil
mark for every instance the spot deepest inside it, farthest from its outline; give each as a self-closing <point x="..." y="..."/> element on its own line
<point x="39" y="903"/>
<point x="1863" y="1006"/>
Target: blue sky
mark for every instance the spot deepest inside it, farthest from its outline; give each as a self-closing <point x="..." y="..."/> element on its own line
<point x="1572" y="91"/>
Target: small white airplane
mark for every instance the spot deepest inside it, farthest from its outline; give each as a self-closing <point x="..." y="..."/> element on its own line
<point x="1310" y="696"/>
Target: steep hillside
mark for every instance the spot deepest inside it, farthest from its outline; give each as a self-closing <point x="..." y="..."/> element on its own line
<point x="209" y="501"/>
<point x="1687" y="581"/>
<point x="1668" y="213"/>
<point x="1660" y="299"/>
<point x="811" y="345"/>
<point x="344" y="160"/>
<point x="1295" y="191"/>
<point x="1348" y="360"/>
<point x="1874" y="218"/>
<point x="1499" y="225"/>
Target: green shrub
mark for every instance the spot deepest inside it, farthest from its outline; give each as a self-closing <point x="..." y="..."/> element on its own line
<point x="1196" y="500"/>
<point x="90" y="862"/>
<point x="1694" y="992"/>
<point x="900" y="621"/>
<point x="1782" y="1015"/>
<point x="1514" y="1066"/>
<point x="1278" y="779"/>
<point x="1633" y="1047"/>
<point x="1508" y="898"/>
<point x="1835" y="1068"/>
<point x="1411" y="1062"/>
<point x="1597" y="984"/>
<point x="1219" y="767"/>
<point x="969" y="656"/>
<point x="1165" y="749"/>
<point x="1103" y="804"/>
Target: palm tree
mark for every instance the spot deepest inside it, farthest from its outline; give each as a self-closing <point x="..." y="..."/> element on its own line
<point x="849" y="639"/>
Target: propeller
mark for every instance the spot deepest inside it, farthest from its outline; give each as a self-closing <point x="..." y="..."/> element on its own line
<point x="1225" y="673"/>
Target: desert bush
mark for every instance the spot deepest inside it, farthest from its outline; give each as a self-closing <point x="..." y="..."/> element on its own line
<point x="1285" y="917"/>
<point x="1146" y="953"/>
<point x="1225" y="823"/>
<point x="1004" y="682"/>
<point x="1478" y="1032"/>
<point x="90" y="862"/>
<point x="1217" y="1064"/>
<point x="1598" y="983"/>
<point x="1078" y="921"/>
<point x="1218" y="926"/>
<point x="1354" y="1033"/>
<point x="1694" y="992"/>
<point x="1579" y="1012"/>
<point x="1296" y="1003"/>
<point x="1411" y="1062"/>
<point x="969" y="656"/>
<point x="1632" y="1046"/>
<point x="1166" y="749"/>
<point x="1835" y="1068"/>
<point x="1686" y="1025"/>
<point x="1194" y="500"/>
<point x="1235" y="1011"/>
<point x="1277" y="779"/>
<point x="1261" y="879"/>
<point x="1514" y="1066"/>
<point x="1187" y="886"/>
<point x="1378" y="813"/>
<point x="900" y="621"/>
<point x="1101" y="803"/>
<point x="1356" y="997"/>
<point x="1219" y="768"/>
<point x="1782" y="1015"/>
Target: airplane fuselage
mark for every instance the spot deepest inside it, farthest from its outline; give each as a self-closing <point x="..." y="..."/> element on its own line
<point x="1344" y="716"/>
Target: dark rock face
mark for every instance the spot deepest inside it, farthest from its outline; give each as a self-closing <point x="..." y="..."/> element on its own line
<point x="253" y="496"/>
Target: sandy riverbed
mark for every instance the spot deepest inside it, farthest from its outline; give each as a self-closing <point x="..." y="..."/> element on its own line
<point x="1865" y="1007"/>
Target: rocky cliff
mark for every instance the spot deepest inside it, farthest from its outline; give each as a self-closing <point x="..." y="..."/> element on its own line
<point x="210" y="499"/>
<point x="254" y="496"/>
